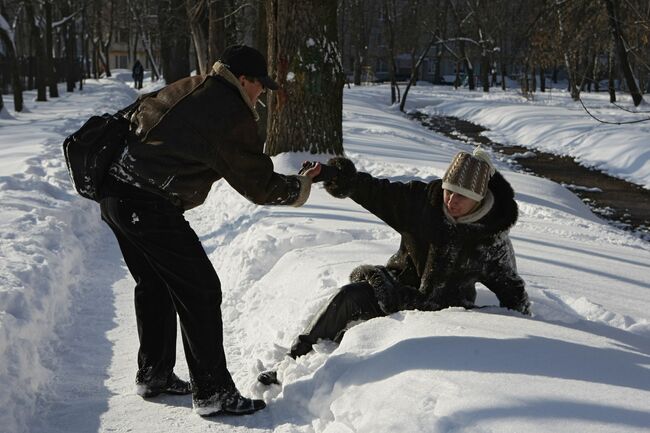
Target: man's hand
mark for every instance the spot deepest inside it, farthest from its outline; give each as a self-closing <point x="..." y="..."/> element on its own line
<point x="318" y="172"/>
<point x="311" y="169"/>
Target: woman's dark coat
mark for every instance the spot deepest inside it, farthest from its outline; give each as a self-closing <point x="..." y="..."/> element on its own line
<point x="438" y="262"/>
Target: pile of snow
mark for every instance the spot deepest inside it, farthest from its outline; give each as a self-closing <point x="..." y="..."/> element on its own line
<point x="47" y="234"/>
<point x="553" y="123"/>
<point x="579" y="364"/>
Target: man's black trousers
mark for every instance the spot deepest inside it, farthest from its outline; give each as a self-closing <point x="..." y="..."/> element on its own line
<point x="173" y="276"/>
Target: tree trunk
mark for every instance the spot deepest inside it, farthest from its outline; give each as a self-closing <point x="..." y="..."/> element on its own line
<point x="469" y="68"/>
<point x="533" y="79"/>
<point x="16" y="83"/>
<point x="504" y="74"/>
<point x="359" y="37"/>
<point x="216" y="30"/>
<point x="174" y="40"/>
<point x="389" y="18"/>
<point x="136" y="40"/>
<point x="39" y="50"/>
<point x="195" y="16"/>
<point x="414" y="72"/>
<point x="305" y="114"/>
<point x="106" y="46"/>
<point x="542" y="80"/>
<point x="621" y="50"/>
<point x="146" y="41"/>
<point x="573" y="88"/>
<point x="356" y="69"/>
<point x="525" y="85"/>
<point x="70" y="43"/>
<point x="51" y="76"/>
<point x="485" y="72"/>
<point x="437" y="66"/>
<point x="82" y="66"/>
<point x="70" y="56"/>
<point x="261" y="29"/>
<point x="95" y="60"/>
<point x="610" y="74"/>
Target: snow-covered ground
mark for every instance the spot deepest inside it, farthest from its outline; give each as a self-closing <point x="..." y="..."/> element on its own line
<point x="553" y="123"/>
<point x="68" y="337"/>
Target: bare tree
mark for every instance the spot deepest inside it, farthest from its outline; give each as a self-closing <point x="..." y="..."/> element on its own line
<point x="102" y="38"/>
<point x="462" y="17"/>
<point x="196" y="15"/>
<point x="389" y="10"/>
<point x="49" y="60"/>
<point x="415" y="69"/>
<point x="174" y="40"/>
<point x="361" y="13"/>
<point x="39" y="51"/>
<point x="7" y="38"/>
<point x="621" y="49"/>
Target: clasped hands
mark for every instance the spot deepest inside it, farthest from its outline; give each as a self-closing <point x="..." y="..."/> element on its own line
<point x="318" y="172"/>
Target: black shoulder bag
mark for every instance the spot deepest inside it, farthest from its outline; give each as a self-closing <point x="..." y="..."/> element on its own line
<point x="91" y="150"/>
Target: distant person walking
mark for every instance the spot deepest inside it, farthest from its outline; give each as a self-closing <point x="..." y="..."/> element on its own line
<point x="138" y="74"/>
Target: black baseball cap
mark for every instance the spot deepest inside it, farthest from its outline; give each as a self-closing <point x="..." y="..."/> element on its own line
<point x="243" y="60"/>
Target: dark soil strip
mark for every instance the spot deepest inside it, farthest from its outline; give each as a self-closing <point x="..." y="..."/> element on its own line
<point x="624" y="204"/>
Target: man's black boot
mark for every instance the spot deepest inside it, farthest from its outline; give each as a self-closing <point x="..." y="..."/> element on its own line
<point x="227" y="403"/>
<point x="172" y="385"/>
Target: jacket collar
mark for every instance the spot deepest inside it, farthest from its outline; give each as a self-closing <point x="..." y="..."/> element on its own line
<point x="221" y="70"/>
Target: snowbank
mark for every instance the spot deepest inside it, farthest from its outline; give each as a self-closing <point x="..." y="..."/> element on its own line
<point x="46" y="234"/>
<point x="553" y="123"/>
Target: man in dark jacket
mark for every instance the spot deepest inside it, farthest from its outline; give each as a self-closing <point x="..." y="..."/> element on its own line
<point x="185" y="137"/>
<point x="454" y="234"/>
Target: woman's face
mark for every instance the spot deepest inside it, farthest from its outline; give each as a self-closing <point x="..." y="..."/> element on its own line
<point x="458" y="205"/>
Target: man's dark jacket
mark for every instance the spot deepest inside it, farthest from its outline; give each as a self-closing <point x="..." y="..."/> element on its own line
<point x="438" y="261"/>
<point x="194" y="132"/>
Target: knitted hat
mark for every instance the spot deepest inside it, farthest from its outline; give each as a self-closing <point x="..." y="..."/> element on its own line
<point x="469" y="174"/>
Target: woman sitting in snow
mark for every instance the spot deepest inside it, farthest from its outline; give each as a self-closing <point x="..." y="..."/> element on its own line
<point x="454" y="234"/>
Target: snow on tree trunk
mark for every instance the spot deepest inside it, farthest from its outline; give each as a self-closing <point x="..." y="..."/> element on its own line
<point x="305" y="114"/>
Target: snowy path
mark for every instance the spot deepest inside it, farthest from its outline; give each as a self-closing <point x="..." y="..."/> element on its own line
<point x="582" y="363"/>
